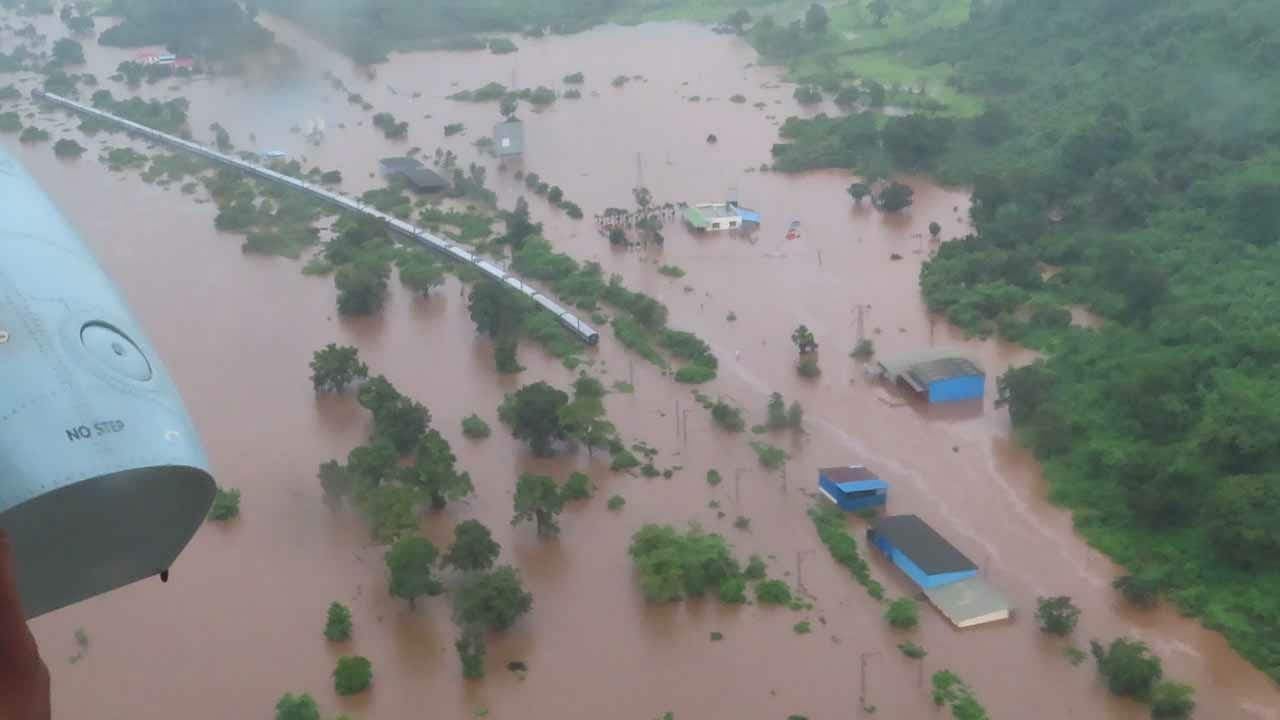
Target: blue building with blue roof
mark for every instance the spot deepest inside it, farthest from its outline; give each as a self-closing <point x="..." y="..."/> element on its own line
<point x="852" y="487"/>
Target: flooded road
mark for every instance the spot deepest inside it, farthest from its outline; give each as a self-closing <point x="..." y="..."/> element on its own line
<point x="240" y="621"/>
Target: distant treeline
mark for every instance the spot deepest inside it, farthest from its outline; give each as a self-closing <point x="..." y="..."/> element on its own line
<point x="367" y="31"/>
<point x="213" y="29"/>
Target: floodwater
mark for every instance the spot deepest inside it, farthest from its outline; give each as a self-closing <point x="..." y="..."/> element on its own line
<point x="240" y="621"/>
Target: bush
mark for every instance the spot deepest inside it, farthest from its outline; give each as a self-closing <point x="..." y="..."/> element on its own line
<point x="67" y="147"/>
<point x="577" y="487"/>
<point x="1128" y="666"/>
<point x="673" y="566"/>
<point x="33" y="134"/>
<point x="808" y="367"/>
<point x="695" y="374"/>
<point x="713" y="477"/>
<point x="352" y="675"/>
<point x="733" y="590"/>
<point x="903" y="613"/>
<point x="738" y="98"/>
<point x="773" y="592"/>
<point x="755" y="569"/>
<point x="727" y="417"/>
<point x="674" y="271"/>
<point x="616" y="502"/>
<point x="833" y="531"/>
<point x="474" y="427"/>
<point x="337" y="627"/>
<point x="912" y="650"/>
<point x="769" y="456"/>
<point x="807" y="95"/>
<point x="802" y="628"/>
<point x="1172" y="701"/>
<point x="864" y="349"/>
<point x="226" y="505"/>
<point x="1057" y="615"/>
<point x="502" y="46"/>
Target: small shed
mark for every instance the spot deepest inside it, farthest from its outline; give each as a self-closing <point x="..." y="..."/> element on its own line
<point x="852" y="487"/>
<point x="919" y="551"/>
<point x="508" y="138"/>
<point x="941" y="376"/>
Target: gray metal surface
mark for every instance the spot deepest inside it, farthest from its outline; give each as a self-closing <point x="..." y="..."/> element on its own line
<point x="431" y="241"/>
<point x="103" y="480"/>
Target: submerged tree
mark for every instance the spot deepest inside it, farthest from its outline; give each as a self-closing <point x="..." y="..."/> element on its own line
<point x="297" y="707"/>
<point x="473" y="547"/>
<point x="1128" y="666"/>
<point x="816" y="19"/>
<point x="337" y="626"/>
<point x="411" y="561"/>
<point x="433" y="471"/>
<point x="538" y="498"/>
<point x="1057" y="615"/>
<point x="895" y="197"/>
<point x="353" y="675"/>
<point x="493" y="600"/>
<point x="533" y="413"/>
<point x="858" y="190"/>
<point x="804" y="340"/>
<point x="879" y="10"/>
<point x="471" y="651"/>
<point x="334" y="367"/>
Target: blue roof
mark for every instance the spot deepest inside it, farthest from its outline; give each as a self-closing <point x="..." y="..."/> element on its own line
<point x="862" y="486"/>
<point x="748" y="215"/>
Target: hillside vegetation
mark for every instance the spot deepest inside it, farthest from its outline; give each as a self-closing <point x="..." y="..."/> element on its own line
<point x="1134" y="146"/>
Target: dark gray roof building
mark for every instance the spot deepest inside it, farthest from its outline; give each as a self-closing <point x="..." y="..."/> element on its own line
<point x="926" y="548"/>
<point x="422" y="178"/>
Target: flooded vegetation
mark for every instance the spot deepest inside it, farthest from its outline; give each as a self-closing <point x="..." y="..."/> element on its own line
<point x="425" y="480"/>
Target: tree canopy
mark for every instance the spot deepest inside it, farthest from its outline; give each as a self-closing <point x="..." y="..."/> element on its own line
<point x="433" y="471"/>
<point x="493" y="599"/>
<point x="411" y="561"/>
<point x="333" y="367"/>
<point x="533" y="413"/>
<point x="297" y="707"/>
<point x="214" y="29"/>
<point x="473" y="547"/>
<point x="538" y="498"/>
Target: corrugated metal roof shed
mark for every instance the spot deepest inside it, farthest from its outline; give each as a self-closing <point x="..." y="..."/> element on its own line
<point x="847" y="473"/>
<point x="970" y="602"/>
<point x="922" y="544"/>
<point x="943" y="368"/>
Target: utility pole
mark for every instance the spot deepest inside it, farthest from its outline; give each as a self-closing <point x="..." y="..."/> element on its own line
<point x="639" y="170"/>
<point x="737" y="487"/>
<point x="677" y="418"/>
<point x="862" y="692"/>
<point x="784" y="478"/>
<point x="861" y="335"/>
<point x="800" y="554"/>
<point x="685" y="416"/>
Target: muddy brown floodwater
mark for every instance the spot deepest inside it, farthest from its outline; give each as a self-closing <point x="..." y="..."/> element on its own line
<point x="240" y="621"/>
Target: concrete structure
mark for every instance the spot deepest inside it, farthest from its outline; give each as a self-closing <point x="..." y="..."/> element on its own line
<point x="852" y="487"/>
<point x="712" y="216"/>
<point x="428" y="240"/>
<point x="940" y="375"/>
<point x="919" y="551"/>
<point x="508" y="139"/>
<point x="969" y="602"/>
<point x="419" y="177"/>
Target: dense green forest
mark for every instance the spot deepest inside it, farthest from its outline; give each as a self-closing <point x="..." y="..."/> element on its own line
<point x="1128" y="160"/>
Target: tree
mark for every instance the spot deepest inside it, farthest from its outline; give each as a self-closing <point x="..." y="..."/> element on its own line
<point x="368" y="465"/>
<point x="804" y="340"/>
<point x="555" y="194"/>
<point x="879" y="9"/>
<point x="795" y="415"/>
<point x="895" y="197"/>
<point x="494" y="599"/>
<point x="297" y="707"/>
<point x="337" y="626"/>
<point x="1140" y="589"/>
<point x="471" y="651"/>
<point x="1172" y="701"/>
<point x="773" y="592"/>
<point x="402" y="423"/>
<point x="496" y="310"/>
<point x="473" y="547"/>
<point x="474" y="427"/>
<point x="672" y="566"/>
<point x="504" y="356"/>
<point x="577" y="487"/>
<point x="858" y="190"/>
<point x="738" y="18"/>
<point x="1057" y="615"/>
<point x="508" y="105"/>
<point x="392" y="511"/>
<point x="353" y="675"/>
<point x="642" y="197"/>
<point x="1242" y="520"/>
<point x="537" y="497"/>
<point x="68" y="52"/>
<point x="411" y="561"/>
<point x="420" y="272"/>
<point x="334" y="367"/>
<point x="221" y="137"/>
<point x="816" y="19"/>
<point x="903" y="613"/>
<point x="434" y="473"/>
<point x="66" y="147"/>
<point x="777" y="412"/>
<point x="519" y="227"/>
<point x="362" y="288"/>
<point x="533" y="412"/>
<point x="915" y="141"/>
<point x="1128" y="666"/>
<point x="875" y="93"/>
<point x="335" y="480"/>
<point x="584" y="418"/>
<point x="934" y="230"/>
<point x="226" y="505"/>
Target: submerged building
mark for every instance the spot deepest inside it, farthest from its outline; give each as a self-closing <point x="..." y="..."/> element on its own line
<point x="419" y="177"/>
<point x="508" y="139"/>
<point x="948" y="578"/>
<point x="939" y="375"/>
<point x="852" y="487"/>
